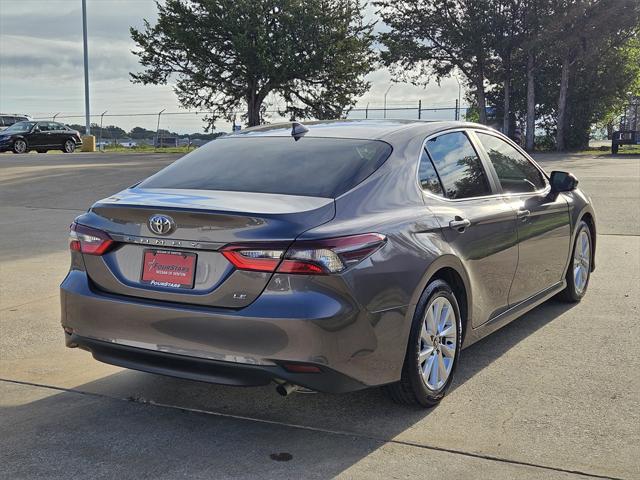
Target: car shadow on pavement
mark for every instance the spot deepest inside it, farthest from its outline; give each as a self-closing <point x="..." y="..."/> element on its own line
<point x="102" y="429"/>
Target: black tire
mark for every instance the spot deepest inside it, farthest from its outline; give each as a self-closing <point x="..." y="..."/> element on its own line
<point x="69" y="146"/>
<point x="20" y="146"/>
<point x="571" y="293"/>
<point x="412" y="389"/>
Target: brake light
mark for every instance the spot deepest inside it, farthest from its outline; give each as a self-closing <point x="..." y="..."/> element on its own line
<point x="310" y="257"/>
<point x="89" y="240"/>
<point x="252" y="258"/>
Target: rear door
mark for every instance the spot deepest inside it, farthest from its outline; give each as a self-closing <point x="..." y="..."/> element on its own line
<point x="544" y="228"/>
<point x="477" y="223"/>
<point x="59" y="134"/>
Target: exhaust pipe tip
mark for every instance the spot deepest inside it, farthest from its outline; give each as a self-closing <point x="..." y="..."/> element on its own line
<point x="286" y="389"/>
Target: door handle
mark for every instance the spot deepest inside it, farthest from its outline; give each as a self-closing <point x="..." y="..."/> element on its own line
<point x="524" y="214"/>
<point x="459" y="224"/>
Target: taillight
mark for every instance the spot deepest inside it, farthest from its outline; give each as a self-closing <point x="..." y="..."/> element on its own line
<point x="89" y="240"/>
<point x="253" y="258"/>
<point x="311" y="257"/>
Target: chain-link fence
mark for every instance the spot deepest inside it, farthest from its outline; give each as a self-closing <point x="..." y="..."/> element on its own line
<point x="172" y="129"/>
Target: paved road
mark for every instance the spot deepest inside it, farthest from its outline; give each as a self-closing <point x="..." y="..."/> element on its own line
<point x="552" y="395"/>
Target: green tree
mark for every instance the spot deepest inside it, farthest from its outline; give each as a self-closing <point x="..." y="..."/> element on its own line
<point x="141" y="133"/>
<point x="224" y="55"/>
<point x="433" y="38"/>
<point x="583" y="33"/>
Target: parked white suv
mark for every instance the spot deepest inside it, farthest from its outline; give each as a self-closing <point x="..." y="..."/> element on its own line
<point x="6" y="120"/>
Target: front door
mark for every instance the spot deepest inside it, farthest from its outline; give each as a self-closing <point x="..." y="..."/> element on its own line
<point x="478" y="225"/>
<point x="40" y="135"/>
<point x="544" y="225"/>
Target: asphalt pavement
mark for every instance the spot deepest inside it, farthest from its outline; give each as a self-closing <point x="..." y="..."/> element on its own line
<point x="554" y="394"/>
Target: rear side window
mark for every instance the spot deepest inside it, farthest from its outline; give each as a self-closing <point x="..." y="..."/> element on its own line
<point x="458" y="166"/>
<point x="316" y="167"/>
<point x="428" y="177"/>
<point x="515" y="172"/>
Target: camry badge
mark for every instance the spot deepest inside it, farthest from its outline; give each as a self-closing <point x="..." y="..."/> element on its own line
<point x="161" y="224"/>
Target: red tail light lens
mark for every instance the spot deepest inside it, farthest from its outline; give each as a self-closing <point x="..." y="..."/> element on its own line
<point x="89" y="240"/>
<point x="332" y="255"/>
<point x="253" y="258"/>
<point x="310" y="257"/>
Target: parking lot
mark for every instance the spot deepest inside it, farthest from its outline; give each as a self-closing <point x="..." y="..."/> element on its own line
<point x="555" y="394"/>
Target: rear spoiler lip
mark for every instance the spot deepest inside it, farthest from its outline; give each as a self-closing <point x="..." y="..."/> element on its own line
<point x="249" y="203"/>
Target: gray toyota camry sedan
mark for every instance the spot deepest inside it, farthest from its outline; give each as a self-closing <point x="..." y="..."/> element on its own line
<point x="331" y="256"/>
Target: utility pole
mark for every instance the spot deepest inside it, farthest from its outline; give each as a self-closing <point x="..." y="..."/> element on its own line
<point x="86" y="69"/>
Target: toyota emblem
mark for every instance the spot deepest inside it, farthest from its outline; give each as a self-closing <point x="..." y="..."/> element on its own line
<point x="161" y="224"/>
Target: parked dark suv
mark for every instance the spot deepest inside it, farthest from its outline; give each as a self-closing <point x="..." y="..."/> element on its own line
<point x="22" y="137"/>
<point x="333" y="256"/>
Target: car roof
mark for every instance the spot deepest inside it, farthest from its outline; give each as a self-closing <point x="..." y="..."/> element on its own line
<point x="360" y="129"/>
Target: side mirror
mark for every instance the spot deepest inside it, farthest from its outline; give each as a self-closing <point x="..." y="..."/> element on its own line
<point x="563" y="181"/>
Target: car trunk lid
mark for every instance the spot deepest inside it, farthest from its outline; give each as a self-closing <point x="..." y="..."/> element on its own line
<point x="203" y="222"/>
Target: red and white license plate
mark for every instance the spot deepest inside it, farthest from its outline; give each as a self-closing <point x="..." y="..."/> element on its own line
<point x="168" y="268"/>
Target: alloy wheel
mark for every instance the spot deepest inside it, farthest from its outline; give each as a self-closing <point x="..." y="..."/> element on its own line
<point x="20" y="146"/>
<point x="581" y="261"/>
<point x="69" y="146"/>
<point x="438" y="339"/>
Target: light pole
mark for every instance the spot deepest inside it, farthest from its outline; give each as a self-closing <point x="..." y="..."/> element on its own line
<point x="459" y="97"/>
<point x="86" y="69"/>
<point x="100" y="132"/>
<point x="158" y="129"/>
<point x="385" y="100"/>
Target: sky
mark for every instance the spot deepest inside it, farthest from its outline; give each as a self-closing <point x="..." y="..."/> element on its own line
<point x="41" y="67"/>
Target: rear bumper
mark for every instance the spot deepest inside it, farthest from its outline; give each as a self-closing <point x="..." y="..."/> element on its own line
<point x="354" y="348"/>
<point x="210" y="371"/>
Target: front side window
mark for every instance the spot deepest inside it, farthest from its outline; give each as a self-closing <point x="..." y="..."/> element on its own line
<point x="515" y="172"/>
<point x="458" y="166"/>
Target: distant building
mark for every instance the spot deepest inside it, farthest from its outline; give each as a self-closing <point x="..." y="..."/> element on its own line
<point x="166" y="141"/>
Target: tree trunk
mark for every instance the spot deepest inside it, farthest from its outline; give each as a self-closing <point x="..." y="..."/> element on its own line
<point x="253" y="113"/>
<point x="254" y="102"/>
<point x="562" y="104"/>
<point x="531" y="103"/>
<point x="506" y="120"/>
<point x="507" y="98"/>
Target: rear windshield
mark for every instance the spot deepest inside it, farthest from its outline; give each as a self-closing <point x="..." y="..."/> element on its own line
<point x="316" y="167"/>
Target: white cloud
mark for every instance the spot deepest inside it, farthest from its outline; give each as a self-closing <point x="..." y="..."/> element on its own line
<point x="41" y="66"/>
